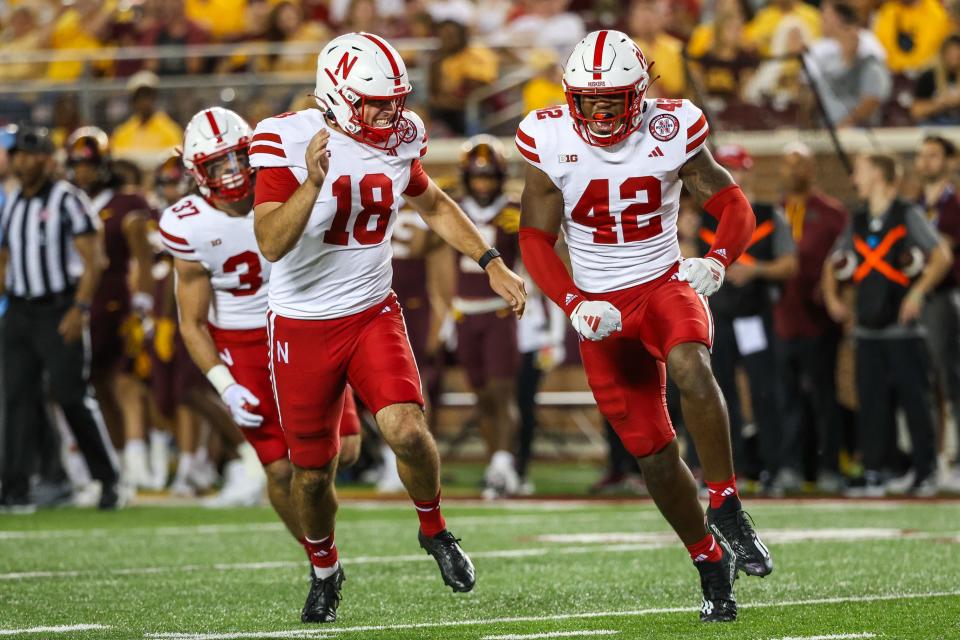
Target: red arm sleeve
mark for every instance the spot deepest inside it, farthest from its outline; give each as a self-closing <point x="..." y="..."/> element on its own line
<point x="419" y="181"/>
<point x="735" y="227"/>
<point x="546" y="268"/>
<point x="274" y="184"/>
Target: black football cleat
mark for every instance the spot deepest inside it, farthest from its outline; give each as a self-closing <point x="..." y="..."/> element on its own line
<point x="716" y="580"/>
<point x="323" y="599"/>
<point x="455" y="566"/>
<point x="734" y="525"/>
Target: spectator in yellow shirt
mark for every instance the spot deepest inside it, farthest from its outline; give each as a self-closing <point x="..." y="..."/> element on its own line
<point x="646" y="23"/>
<point x="24" y="36"/>
<point x="702" y="38"/>
<point x="148" y="129"/>
<point x="761" y="30"/>
<point x="458" y="69"/>
<point x="545" y="88"/>
<point x="80" y="27"/>
<point x="911" y="31"/>
<point x="222" y="19"/>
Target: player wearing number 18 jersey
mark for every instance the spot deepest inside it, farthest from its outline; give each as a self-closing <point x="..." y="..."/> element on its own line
<point x="326" y="202"/>
<point x="221" y="292"/>
<point x="608" y="168"/>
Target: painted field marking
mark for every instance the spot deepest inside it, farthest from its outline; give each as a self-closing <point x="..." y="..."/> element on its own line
<point x="189" y="530"/>
<point x="604" y="543"/>
<point x="777" y="536"/>
<point x="837" y="636"/>
<point x="286" y="564"/>
<point x="58" y="629"/>
<point x="556" y="617"/>
<point x="553" y="634"/>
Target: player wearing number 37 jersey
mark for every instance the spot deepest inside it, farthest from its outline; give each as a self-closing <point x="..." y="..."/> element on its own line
<point x="221" y="293"/>
<point x="328" y="186"/>
<point x="607" y="168"/>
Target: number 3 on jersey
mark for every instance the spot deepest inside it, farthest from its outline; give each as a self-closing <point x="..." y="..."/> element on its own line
<point x="593" y="210"/>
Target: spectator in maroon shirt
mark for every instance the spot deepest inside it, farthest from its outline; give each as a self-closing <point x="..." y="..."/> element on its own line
<point x="808" y="337"/>
<point x="941" y="313"/>
<point x="166" y="23"/>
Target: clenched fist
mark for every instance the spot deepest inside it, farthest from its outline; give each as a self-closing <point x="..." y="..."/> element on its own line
<point x="596" y="319"/>
<point x="705" y="275"/>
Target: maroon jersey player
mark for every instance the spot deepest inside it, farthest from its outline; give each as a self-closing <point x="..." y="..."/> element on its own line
<point x="486" y="330"/>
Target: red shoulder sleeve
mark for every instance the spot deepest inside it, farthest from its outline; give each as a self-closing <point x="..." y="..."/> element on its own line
<point x="419" y="180"/>
<point x="274" y="184"/>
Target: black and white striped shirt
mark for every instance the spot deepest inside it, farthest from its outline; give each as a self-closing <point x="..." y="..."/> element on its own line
<point x="38" y="233"/>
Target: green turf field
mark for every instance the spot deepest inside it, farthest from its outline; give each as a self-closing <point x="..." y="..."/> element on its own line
<point x="545" y="569"/>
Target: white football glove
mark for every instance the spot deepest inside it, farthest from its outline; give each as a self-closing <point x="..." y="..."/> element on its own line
<point x="596" y="319"/>
<point x="239" y="400"/>
<point x="705" y="275"/>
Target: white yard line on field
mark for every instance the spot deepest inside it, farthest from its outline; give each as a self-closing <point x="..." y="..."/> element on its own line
<point x="296" y="633"/>
<point x="586" y="543"/>
<point x="287" y="564"/>
<point x="836" y="636"/>
<point x="553" y="634"/>
<point x="188" y="530"/>
<point x="59" y="629"/>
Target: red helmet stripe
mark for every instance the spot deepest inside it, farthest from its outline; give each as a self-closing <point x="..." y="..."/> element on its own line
<point x="213" y="123"/>
<point x="598" y="54"/>
<point x="386" y="51"/>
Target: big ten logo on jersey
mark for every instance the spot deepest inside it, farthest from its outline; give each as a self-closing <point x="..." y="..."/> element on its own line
<point x="489" y="234"/>
<point x="568" y="157"/>
<point x="377" y="205"/>
<point x="634" y="198"/>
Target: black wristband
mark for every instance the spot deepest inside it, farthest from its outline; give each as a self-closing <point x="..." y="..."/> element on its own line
<point x="83" y="306"/>
<point x="487" y="257"/>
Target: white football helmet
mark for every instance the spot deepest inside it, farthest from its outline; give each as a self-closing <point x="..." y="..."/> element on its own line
<point x="358" y="68"/>
<point x="606" y="63"/>
<point x="215" y="154"/>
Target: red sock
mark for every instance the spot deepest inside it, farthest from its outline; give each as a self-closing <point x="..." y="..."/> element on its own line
<point x="720" y="491"/>
<point x="322" y="553"/>
<point x="431" y="520"/>
<point x="707" y="550"/>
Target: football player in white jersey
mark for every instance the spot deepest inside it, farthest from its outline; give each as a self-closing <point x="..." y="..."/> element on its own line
<point x="608" y="168"/>
<point x="326" y="203"/>
<point x="221" y="292"/>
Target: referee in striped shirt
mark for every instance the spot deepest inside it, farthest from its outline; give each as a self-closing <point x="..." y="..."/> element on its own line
<point x="51" y="259"/>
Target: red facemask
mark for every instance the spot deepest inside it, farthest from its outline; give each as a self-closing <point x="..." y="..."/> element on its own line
<point x="235" y="181"/>
<point x="623" y="123"/>
<point x="388" y="138"/>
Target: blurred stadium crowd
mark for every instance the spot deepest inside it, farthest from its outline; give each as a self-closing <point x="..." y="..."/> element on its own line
<point x="784" y="355"/>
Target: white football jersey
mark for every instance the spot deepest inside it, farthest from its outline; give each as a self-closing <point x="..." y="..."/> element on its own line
<point x="620" y="202"/>
<point x="193" y="229"/>
<point x="342" y="263"/>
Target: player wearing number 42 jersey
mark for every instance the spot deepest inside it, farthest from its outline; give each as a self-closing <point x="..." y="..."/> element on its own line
<point x="608" y="168"/>
<point x="221" y="293"/>
<point x="327" y="191"/>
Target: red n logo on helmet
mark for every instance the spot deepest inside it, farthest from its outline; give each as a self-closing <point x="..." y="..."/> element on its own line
<point x="345" y="65"/>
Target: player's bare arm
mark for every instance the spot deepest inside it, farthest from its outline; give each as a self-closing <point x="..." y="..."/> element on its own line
<point x="193" y="293"/>
<point x="448" y="221"/>
<point x="279" y="225"/>
<point x="541" y="212"/>
<point x="714" y="190"/>
<point x="541" y="203"/>
<point x="135" y="230"/>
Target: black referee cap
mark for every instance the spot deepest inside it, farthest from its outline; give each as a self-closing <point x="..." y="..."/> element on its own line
<point x="32" y="140"/>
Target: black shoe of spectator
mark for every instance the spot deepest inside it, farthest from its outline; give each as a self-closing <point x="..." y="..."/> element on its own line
<point x="17" y="505"/>
<point x="110" y="497"/>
